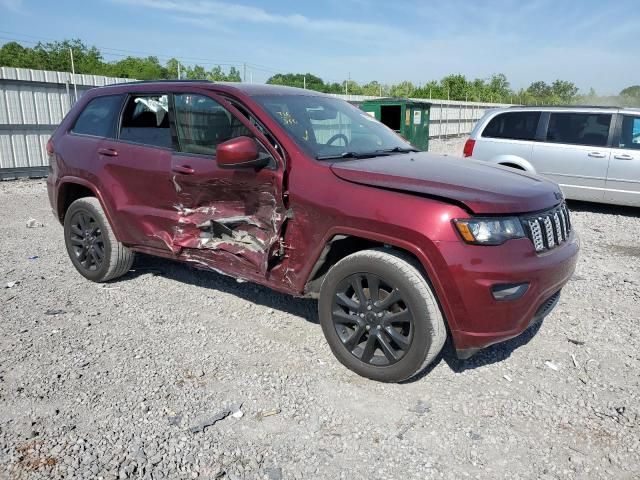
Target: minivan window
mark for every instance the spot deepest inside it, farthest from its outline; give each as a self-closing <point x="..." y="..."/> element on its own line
<point x="146" y="120"/>
<point x="99" y="117"/>
<point x="202" y="124"/>
<point x="630" y="132"/>
<point x="513" y="125"/>
<point x="590" y="129"/>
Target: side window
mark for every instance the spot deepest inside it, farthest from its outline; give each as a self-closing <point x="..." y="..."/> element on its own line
<point x="590" y="129"/>
<point x="202" y="123"/>
<point x="630" y="133"/>
<point x="146" y="120"/>
<point x="99" y="117"/>
<point x="513" y="125"/>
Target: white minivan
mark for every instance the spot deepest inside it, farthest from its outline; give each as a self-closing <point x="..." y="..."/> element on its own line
<point x="593" y="153"/>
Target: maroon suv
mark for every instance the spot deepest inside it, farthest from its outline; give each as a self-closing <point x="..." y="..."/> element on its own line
<point x="310" y="196"/>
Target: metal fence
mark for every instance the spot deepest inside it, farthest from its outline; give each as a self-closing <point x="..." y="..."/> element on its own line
<point x="33" y="102"/>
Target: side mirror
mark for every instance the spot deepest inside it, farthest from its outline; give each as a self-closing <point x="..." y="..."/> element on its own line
<point x="240" y="152"/>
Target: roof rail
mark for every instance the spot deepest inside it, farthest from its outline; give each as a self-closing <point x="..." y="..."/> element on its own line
<point x="138" y="82"/>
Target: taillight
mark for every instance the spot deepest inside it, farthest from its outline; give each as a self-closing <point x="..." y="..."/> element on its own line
<point x="50" y="146"/>
<point x="468" y="148"/>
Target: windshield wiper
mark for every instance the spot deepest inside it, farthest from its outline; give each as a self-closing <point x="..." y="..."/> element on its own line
<point x="398" y="150"/>
<point x="349" y="155"/>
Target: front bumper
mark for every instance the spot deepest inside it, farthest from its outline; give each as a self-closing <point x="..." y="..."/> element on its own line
<point x="544" y="310"/>
<point x="476" y="319"/>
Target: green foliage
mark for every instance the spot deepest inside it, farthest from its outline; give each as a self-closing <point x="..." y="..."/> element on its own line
<point x="632" y="92"/>
<point x="55" y="56"/>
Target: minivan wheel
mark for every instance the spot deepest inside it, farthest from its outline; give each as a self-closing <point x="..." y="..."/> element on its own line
<point x="380" y="316"/>
<point x="91" y="244"/>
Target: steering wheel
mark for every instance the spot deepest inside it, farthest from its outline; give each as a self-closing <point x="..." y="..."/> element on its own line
<point x="338" y="136"/>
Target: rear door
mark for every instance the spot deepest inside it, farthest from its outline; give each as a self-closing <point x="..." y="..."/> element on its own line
<point x="623" y="178"/>
<point x="575" y="153"/>
<point x="227" y="218"/>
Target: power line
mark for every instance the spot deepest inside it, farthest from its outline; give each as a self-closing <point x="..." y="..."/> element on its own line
<point x="110" y="50"/>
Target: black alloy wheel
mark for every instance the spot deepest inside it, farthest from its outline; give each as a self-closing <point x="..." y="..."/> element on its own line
<point x="372" y="319"/>
<point x="87" y="243"/>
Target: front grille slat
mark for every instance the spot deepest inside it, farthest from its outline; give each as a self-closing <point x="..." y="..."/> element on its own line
<point x="549" y="229"/>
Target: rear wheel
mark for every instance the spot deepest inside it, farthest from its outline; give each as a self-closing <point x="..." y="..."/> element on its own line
<point x="91" y="244"/>
<point x="379" y="315"/>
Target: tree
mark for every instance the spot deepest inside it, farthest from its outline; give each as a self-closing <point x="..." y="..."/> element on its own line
<point x="539" y="90"/>
<point x="13" y="54"/>
<point x="633" y="92"/>
<point x="403" y="89"/>
<point x="564" y="90"/>
<point x="299" y="80"/>
<point x="139" y="68"/>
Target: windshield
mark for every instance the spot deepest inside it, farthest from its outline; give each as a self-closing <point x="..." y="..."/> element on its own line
<point x="328" y="128"/>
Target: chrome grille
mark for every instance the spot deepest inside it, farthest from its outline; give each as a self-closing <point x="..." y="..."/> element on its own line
<point x="548" y="229"/>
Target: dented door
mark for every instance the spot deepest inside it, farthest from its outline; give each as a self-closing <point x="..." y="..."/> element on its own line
<point x="227" y="219"/>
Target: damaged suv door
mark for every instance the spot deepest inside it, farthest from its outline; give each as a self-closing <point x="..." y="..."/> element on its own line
<point x="229" y="216"/>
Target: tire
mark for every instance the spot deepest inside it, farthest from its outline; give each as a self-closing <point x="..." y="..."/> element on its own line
<point x="401" y="348"/>
<point x="97" y="255"/>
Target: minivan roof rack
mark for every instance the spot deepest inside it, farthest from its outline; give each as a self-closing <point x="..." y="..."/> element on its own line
<point x="566" y="106"/>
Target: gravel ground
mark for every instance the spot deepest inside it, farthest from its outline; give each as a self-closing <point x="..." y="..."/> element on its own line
<point x="450" y="146"/>
<point x="116" y="380"/>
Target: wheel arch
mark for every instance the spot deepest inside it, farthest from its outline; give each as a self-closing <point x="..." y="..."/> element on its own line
<point x="71" y="189"/>
<point x="340" y="244"/>
<point x="514" y="161"/>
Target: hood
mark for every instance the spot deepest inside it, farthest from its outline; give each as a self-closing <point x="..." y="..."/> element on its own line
<point x="483" y="188"/>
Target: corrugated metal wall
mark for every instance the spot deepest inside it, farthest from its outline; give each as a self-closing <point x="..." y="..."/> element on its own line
<point x="33" y="102"/>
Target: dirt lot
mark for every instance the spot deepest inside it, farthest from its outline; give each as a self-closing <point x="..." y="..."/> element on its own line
<point x="106" y="381"/>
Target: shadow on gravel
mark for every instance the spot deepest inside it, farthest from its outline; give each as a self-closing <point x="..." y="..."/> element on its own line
<point x="579" y="206"/>
<point x="251" y="292"/>
<point x="495" y="353"/>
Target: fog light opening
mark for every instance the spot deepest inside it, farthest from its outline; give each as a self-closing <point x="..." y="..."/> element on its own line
<point x="509" y="291"/>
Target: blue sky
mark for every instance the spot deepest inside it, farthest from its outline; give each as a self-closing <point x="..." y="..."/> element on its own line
<point x="590" y="42"/>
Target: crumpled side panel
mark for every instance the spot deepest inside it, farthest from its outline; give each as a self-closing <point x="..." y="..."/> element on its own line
<point x="241" y="220"/>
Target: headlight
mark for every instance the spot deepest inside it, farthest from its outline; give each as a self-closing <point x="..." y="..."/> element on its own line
<point x="489" y="231"/>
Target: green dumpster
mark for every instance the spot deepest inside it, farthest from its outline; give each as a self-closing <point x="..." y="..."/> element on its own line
<point x="410" y="118"/>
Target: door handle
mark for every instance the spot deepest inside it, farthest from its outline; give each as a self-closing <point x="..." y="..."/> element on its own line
<point x="109" y="152"/>
<point x="623" y="156"/>
<point x="184" y="169"/>
<point x="596" y="154"/>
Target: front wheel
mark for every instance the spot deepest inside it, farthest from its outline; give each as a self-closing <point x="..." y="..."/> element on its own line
<point x="92" y="245"/>
<point x="380" y="316"/>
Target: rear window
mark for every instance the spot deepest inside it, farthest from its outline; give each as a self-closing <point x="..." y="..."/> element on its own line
<point x="590" y="129"/>
<point x="146" y="120"/>
<point x="99" y="117"/>
<point x="513" y="125"/>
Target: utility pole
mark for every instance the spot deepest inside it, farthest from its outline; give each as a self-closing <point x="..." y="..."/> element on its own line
<point x="380" y="89"/>
<point x="244" y="75"/>
<point x="304" y="82"/>
<point x="346" y="87"/>
<point x="179" y="76"/>
<point x="73" y="72"/>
